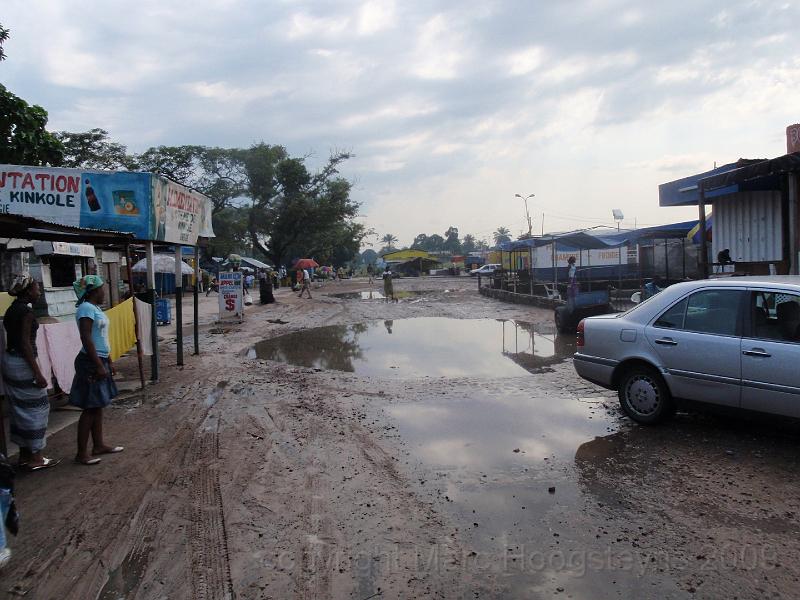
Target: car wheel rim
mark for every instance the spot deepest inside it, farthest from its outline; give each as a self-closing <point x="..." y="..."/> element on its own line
<point x="643" y="395"/>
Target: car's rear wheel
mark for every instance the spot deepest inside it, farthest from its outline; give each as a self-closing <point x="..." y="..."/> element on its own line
<point x="644" y="396"/>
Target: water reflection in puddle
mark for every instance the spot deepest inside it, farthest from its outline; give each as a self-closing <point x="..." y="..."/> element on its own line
<point x="376" y="295"/>
<point x="504" y="461"/>
<point x="423" y="347"/>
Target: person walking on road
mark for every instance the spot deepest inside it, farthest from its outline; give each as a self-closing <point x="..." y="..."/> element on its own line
<point x="305" y="283"/>
<point x="25" y="384"/>
<point x="388" y="285"/>
<point x="572" y="280"/>
<point x="93" y="387"/>
<point x="371" y="273"/>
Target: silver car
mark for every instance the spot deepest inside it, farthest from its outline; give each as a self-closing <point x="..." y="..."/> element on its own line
<point x="728" y="342"/>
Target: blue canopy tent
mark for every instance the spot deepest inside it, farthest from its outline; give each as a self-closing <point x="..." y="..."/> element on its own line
<point x="596" y="239"/>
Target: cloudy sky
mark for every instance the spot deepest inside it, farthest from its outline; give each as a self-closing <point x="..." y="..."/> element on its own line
<point x="450" y="107"/>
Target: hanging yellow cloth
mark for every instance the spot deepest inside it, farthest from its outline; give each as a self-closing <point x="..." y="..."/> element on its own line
<point x="5" y="301"/>
<point x="121" y="328"/>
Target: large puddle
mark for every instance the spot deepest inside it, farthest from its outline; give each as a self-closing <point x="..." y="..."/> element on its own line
<point x="399" y="295"/>
<point x="423" y="347"/>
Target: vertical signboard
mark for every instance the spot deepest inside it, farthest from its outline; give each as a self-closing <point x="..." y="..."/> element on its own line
<point x="180" y="214"/>
<point x="793" y="139"/>
<point x="231" y="294"/>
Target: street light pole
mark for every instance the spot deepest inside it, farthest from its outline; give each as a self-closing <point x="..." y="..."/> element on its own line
<point x="527" y="214"/>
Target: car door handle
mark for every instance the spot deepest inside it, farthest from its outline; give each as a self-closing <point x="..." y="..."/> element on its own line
<point x="757" y="352"/>
<point x="666" y="342"/>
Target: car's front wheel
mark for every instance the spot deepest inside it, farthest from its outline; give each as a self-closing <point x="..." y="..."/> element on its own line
<point x="644" y="395"/>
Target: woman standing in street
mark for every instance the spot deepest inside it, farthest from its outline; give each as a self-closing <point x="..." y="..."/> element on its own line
<point x="388" y="285"/>
<point x="93" y="387"/>
<point x="572" y="280"/>
<point x="26" y="385"/>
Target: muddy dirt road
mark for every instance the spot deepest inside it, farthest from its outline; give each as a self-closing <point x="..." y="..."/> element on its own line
<point x="440" y="446"/>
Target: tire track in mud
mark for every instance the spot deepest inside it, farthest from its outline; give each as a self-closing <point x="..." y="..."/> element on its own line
<point x="125" y="580"/>
<point x="42" y="575"/>
<point x="209" y="550"/>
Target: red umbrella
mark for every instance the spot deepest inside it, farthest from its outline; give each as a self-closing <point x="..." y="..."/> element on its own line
<point x="306" y="263"/>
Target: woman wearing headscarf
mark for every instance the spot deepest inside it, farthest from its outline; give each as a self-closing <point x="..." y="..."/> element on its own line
<point x="388" y="285"/>
<point x="26" y="385"/>
<point x="93" y="387"/>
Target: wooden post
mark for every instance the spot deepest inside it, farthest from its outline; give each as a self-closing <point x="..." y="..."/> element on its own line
<point x="151" y="293"/>
<point x="197" y="300"/>
<point x="683" y="256"/>
<point x="701" y="205"/>
<point x="530" y="268"/>
<point x="135" y="317"/>
<point x="179" y="303"/>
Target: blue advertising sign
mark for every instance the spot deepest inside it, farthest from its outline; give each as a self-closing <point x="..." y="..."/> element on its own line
<point x="146" y="205"/>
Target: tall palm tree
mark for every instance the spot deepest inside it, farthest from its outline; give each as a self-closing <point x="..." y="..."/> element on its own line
<point x="502" y="234"/>
<point x="388" y="240"/>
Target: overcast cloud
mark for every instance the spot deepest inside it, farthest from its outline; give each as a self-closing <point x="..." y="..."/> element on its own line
<point x="450" y="107"/>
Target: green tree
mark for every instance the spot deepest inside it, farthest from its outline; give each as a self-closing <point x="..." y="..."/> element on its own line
<point x="24" y="140"/>
<point x="501" y="234"/>
<point x="4" y="33"/>
<point x="468" y="243"/>
<point x="369" y="257"/>
<point x="451" y="242"/>
<point x="419" y="242"/>
<point x="232" y="234"/>
<point x="94" y="150"/>
<point x="434" y="243"/>
<point x="296" y="213"/>
<point x="389" y="240"/>
<point x="219" y="173"/>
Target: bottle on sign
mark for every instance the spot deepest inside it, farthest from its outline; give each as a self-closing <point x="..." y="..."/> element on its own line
<point x="91" y="198"/>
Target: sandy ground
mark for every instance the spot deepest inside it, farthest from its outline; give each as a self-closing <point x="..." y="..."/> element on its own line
<point x="246" y="478"/>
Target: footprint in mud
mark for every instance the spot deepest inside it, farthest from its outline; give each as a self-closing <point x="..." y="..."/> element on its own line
<point x="214" y="396"/>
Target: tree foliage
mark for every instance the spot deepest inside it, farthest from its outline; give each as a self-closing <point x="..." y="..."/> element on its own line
<point x="389" y="241"/>
<point x="501" y="234"/>
<point x="94" y="150"/>
<point x="4" y="33"/>
<point x="232" y="234"/>
<point x="23" y="137"/>
<point x="369" y="256"/>
<point x="468" y="244"/>
<point x="451" y="242"/>
<point x="219" y="173"/>
<point x="296" y="213"/>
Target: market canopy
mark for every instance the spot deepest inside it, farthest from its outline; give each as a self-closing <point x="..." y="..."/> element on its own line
<point x="720" y="181"/>
<point x="601" y="239"/>
<point x="255" y="263"/>
<point x="162" y="263"/>
<point x="760" y="171"/>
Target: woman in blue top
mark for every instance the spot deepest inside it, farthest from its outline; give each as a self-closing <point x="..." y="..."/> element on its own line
<point x="93" y="387"/>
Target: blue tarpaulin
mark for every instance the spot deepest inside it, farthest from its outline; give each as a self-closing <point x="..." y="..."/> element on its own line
<point x="600" y="239"/>
<point x="686" y="191"/>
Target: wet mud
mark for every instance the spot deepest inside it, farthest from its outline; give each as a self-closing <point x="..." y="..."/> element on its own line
<point x="481" y="466"/>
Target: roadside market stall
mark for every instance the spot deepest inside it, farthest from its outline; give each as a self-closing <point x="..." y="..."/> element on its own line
<point x="128" y="207"/>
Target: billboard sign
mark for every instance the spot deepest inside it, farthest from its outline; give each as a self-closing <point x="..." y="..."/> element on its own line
<point x="180" y="214"/>
<point x="146" y="205"/>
